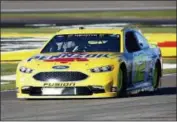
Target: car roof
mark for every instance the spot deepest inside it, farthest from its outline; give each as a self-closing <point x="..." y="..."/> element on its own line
<point x="91" y="30"/>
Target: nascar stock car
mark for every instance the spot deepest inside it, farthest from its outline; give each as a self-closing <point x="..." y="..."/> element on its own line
<point x="91" y="63"/>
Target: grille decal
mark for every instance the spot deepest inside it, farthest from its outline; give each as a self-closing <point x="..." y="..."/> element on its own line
<point x="60" y="76"/>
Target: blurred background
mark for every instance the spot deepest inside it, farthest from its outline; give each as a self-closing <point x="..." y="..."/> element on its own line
<point x="19" y="13"/>
<point x="27" y="24"/>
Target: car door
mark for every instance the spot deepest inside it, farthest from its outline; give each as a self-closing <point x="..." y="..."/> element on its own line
<point x="136" y="57"/>
<point x="147" y="60"/>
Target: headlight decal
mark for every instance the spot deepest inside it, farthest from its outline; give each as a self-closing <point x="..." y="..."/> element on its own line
<point x="102" y="69"/>
<point x="25" y="70"/>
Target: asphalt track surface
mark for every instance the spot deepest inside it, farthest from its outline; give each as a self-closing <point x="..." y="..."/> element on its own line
<point x="83" y="4"/>
<point x="158" y="106"/>
<point x="68" y="5"/>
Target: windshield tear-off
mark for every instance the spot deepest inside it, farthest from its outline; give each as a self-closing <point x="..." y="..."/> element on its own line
<point x="83" y="43"/>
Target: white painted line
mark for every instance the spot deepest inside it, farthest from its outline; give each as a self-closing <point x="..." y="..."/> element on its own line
<point x="169" y="66"/>
<point x="110" y="25"/>
<point x="23" y="46"/>
<point x="4" y="83"/>
<point x="9" y="90"/>
<point x="24" y="39"/>
<point x="168" y="25"/>
<point x="173" y="74"/>
<point x="41" y="25"/>
<point x="8" y="77"/>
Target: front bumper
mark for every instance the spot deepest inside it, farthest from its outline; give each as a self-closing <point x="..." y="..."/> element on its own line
<point x="85" y="89"/>
<point x="67" y="92"/>
<point x="103" y="95"/>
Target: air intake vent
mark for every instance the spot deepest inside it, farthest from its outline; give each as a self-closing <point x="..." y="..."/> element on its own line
<point x="60" y="76"/>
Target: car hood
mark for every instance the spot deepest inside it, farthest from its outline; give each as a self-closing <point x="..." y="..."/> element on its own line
<point x="75" y="60"/>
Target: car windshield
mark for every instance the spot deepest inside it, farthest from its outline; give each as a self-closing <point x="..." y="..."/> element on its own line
<point x="83" y="43"/>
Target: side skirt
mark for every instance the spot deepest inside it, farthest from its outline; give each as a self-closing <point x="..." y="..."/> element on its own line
<point x="140" y="87"/>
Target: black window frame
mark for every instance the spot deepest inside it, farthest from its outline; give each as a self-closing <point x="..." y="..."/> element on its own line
<point x="145" y="42"/>
<point x="131" y="49"/>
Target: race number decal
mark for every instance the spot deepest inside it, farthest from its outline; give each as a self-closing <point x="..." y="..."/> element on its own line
<point x="140" y="72"/>
<point x="139" y="68"/>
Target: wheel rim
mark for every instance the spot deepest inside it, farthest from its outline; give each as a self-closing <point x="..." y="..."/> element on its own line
<point x="155" y="78"/>
<point x="120" y="79"/>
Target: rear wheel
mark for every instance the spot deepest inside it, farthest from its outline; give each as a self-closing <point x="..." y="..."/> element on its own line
<point x="156" y="78"/>
<point x="121" y="83"/>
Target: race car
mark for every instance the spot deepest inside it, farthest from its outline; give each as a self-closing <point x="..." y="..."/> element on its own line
<point x="91" y="63"/>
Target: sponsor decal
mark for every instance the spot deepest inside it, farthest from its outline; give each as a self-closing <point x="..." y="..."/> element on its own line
<point x="60" y="67"/>
<point x="68" y="57"/>
<point x="65" y="60"/>
<point x="59" y="84"/>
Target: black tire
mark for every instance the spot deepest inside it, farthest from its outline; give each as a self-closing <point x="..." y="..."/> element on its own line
<point x="122" y="92"/>
<point x="156" y="77"/>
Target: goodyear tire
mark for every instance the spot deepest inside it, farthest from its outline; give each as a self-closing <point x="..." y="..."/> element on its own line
<point x="122" y="83"/>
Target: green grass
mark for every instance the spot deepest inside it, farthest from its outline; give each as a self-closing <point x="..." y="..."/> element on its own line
<point x="9" y="86"/>
<point x="158" y="29"/>
<point x="54" y="30"/>
<point x="115" y="14"/>
<point x="169" y="60"/>
<point x="169" y="71"/>
<point x="8" y="68"/>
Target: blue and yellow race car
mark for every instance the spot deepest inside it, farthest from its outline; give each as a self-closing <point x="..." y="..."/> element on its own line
<point x="91" y="63"/>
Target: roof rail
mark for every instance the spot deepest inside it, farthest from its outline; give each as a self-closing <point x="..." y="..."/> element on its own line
<point x="130" y="26"/>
